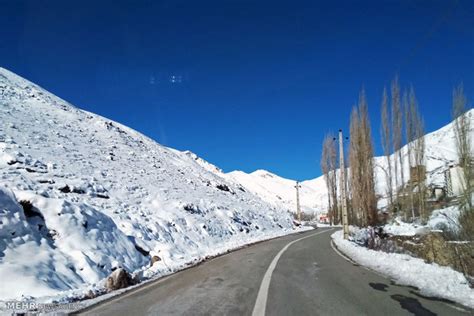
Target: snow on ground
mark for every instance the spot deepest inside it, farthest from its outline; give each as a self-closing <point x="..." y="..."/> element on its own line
<point x="443" y="219"/>
<point x="97" y="195"/>
<point x="407" y="270"/>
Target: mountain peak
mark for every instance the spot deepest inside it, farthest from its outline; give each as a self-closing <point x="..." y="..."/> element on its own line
<point x="263" y="173"/>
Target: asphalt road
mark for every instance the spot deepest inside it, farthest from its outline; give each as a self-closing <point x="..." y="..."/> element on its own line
<point x="309" y="278"/>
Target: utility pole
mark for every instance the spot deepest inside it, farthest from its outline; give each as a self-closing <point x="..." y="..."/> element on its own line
<point x="342" y="179"/>
<point x="298" y="210"/>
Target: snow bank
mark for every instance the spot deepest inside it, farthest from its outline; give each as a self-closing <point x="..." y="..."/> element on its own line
<point x="443" y="219"/>
<point x="407" y="270"/>
<point x="58" y="248"/>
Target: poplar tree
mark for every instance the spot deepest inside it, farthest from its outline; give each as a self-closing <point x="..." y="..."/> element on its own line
<point x="385" y="134"/>
<point x="364" y="202"/>
<point x="397" y="137"/>
<point x="355" y="181"/>
<point x="410" y="208"/>
<point x="416" y="155"/>
<point x="329" y="168"/>
<point x="463" y="135"/>
<point x="419" y="155"/>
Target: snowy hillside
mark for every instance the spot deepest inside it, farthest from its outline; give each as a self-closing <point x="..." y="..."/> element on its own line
<point x="281" y="192"/>
<point x="97" y="195"/>
<point x="440" y="154"/>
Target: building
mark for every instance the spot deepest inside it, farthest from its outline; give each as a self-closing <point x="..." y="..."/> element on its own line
<point x="455" y="181"/>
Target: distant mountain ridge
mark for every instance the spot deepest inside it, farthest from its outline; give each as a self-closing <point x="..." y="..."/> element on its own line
<point x="281" y="192"/>
<point x="440" y="154"/>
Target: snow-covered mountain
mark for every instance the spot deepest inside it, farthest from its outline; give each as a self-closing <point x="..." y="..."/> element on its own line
<point x="281" y="192"/>
<point x="81" y="195"/>
<point x="440" y="154"/>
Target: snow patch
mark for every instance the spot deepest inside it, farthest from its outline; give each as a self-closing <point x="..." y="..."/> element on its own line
<point x="407" y="270"/>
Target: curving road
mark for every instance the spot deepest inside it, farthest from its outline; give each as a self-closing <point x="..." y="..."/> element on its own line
<point x="299" y="274"/>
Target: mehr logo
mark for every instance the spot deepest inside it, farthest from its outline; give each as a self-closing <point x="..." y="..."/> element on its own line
<point x="24" y="306"/>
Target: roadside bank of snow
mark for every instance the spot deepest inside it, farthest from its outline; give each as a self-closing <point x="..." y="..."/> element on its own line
<point x="445" y="219"/>
<point x="65" y="302"/>
<point x="431" y="279"/>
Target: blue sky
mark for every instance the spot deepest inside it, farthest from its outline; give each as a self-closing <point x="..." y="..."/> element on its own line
<point x="244" y="84"/>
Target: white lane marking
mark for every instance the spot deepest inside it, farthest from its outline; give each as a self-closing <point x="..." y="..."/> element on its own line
<point x="261" y="302"/>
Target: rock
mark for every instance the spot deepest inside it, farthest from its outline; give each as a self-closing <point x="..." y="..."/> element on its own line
<point x="223" y="187"/>
<point x="29" y="210"/>
<point x="89" y="295"/>
<point x="65" y="189"/>
<point x="118" y="279"/>
<point x="142" y="251"/>
<point x="154" y="259"/>
<point x="191" y="208"/>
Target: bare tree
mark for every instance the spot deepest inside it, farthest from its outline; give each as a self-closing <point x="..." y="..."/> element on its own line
<point x="333" y="164"/>
<point x="367" y="154"/>
<point x="329" y="169"/>
<point x="364" y="202"/>
<point x="409" y="136"/>
<point x="463" y="134"/>
<point x="416" y="145"/>
<point x="348" y="189"/>
<point x="397" y="137"/>
<point x="355" y="173"/>
<point x="325" y="169"/>
<point x="387" y="145"/>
